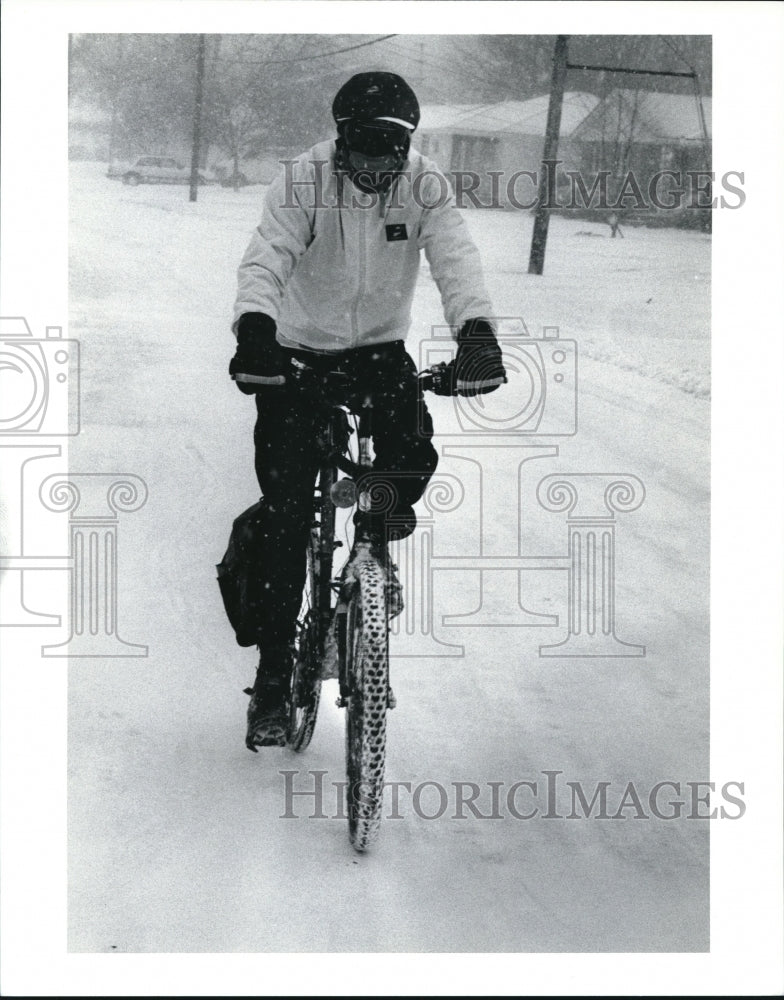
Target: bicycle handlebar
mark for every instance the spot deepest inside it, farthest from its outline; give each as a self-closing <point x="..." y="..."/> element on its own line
<point x="440" y="379"/>
<point x="437" y="379"/>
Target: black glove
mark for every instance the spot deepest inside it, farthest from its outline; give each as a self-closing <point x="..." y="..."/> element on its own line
<point x="258" y="355"/>
<point x="479" y="365"/>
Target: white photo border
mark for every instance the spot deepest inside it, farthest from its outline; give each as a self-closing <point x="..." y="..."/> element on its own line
<point x="747" y="495"/>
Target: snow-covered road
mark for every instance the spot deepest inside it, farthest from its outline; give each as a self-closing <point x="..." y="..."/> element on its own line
<point x="177" y="835"/>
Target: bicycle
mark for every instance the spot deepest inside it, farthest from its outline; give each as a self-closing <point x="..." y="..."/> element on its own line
<point x="343" y="627"/>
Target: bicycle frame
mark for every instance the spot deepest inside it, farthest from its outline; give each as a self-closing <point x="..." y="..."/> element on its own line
<point x="336" y="458"/>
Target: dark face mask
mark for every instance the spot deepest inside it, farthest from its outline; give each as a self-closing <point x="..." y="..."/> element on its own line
<point x="373" y="152"/>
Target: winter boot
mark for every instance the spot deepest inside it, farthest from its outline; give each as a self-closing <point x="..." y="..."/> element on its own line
<point x="268" y="709"/>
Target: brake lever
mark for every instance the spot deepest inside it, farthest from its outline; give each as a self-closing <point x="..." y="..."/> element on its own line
<point x="440" y="379"/>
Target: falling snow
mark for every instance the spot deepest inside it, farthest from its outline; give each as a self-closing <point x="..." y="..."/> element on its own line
<point x="176" y="838"/>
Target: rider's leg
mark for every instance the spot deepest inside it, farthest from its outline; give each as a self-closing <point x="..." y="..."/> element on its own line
<point x="402" y="429"/>
<point x="286" y="465"/>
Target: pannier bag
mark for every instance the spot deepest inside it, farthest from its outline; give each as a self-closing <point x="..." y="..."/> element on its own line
<point x="238" y="577"/>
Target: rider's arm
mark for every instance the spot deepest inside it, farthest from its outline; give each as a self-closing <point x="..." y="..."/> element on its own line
<point x="457" y="270"/>
<point x="450" y="251"/>
<point x="278" y="242"/>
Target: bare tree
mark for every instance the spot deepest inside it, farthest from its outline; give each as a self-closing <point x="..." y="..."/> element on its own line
<point x="234" y="119"/>
<point x="144" y="83"/>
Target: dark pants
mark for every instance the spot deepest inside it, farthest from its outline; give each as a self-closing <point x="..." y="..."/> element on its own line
<point x="287" y="460"/>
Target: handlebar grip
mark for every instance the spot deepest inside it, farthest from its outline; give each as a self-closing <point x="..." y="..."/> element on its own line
<point x="426" y="381"/>
<point x="259" y="379"/>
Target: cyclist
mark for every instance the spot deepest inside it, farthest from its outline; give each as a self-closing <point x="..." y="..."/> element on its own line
<point x="328" y="278"/>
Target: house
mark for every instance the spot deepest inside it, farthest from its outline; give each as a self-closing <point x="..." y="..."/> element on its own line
<point x="646" y="132"/>
<point x="653" y="150"/>
<point x="503" y="139"/>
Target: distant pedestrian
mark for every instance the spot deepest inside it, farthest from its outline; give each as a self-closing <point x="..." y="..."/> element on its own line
<point x="615" y="225"/>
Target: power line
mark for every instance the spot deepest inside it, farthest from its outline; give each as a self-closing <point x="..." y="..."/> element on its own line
<point x="454" y="68"/>
<point x="634" y="72"/>
<point x="671" y="45"/>
<point x="497" y="77"/>
<point x="305" y="58"/>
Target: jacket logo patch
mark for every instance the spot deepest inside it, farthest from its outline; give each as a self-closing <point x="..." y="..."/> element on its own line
<point x="396" y="232"/>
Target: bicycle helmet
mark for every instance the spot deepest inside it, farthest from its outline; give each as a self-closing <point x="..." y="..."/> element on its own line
<point x="384" y="96"/>
<point x="375" y="114"/>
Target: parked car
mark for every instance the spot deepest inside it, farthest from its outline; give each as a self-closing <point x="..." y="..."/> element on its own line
<point x="157" y="170"/>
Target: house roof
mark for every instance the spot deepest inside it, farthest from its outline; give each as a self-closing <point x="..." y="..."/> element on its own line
<point x="434" y="117"/>
<point x="517" y="117"/>
<point x="647" y="116"/>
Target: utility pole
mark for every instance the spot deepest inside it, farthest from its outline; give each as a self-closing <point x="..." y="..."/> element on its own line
<point x="116" y="87"/>
<point x="197" y="107"/>
<point x="560" y="67"/>
<point x="542" y="217"/>
<point x="211" y="73"/>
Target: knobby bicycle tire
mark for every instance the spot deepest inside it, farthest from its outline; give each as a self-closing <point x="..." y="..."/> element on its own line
<point x="367" y="649"/>
<point x="314" y="621"/>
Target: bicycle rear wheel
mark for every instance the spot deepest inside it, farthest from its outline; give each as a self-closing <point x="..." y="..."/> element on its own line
<point x="367" y="682"/>
<point x="314" y="620"/>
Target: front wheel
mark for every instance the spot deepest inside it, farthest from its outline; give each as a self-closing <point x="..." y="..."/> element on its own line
<point x="367" y="681"/>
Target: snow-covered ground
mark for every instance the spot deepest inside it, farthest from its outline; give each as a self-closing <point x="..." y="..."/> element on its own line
<point x="176" y="836"/>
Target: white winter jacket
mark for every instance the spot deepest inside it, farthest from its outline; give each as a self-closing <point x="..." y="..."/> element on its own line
<point x="336" y="268"/>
